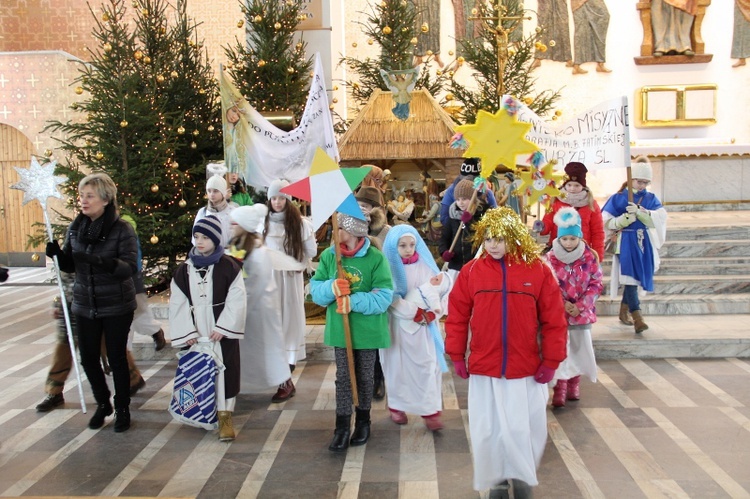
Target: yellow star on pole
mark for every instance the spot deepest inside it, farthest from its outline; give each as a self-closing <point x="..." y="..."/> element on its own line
<point x="496" y="139"/>
<point x="540" y="184"/>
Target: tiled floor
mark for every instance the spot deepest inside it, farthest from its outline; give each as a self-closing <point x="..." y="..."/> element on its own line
<point x="653" y="428"/>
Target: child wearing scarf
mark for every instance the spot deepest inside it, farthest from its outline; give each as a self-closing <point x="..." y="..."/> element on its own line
<point x="207" y="306"/>
<point x="577" y="269"/>
<point x="412" y="364"/>
<point x="364" y="295"/>
<point x="218" y="193"/>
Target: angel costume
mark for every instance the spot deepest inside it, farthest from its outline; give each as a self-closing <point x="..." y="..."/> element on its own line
<point x="291" y="287"/>
<point x="412" y="367"/>
<point x="264" y="358"/>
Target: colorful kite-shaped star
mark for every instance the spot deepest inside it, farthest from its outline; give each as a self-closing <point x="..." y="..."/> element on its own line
<point x="496" y="139"/>
<point x="539" y="184"/>
<point x="328" y="188"/>
<point x="39" y="182"/>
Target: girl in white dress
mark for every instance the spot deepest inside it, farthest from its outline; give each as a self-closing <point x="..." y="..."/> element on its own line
<point x="286" y="231"/>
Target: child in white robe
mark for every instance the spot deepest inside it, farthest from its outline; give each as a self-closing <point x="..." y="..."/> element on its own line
<point x="207" y="304"/>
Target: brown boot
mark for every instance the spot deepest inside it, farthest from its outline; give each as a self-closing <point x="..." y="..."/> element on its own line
<point x="226" y="430"/>
<point x="624" y="310"/>
<point x="159" y="341"/>
<point x="638" y="323"/>
<point x="285" y="392"/>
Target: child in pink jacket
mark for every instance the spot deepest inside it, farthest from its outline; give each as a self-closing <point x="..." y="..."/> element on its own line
<point x="577" y="269"/>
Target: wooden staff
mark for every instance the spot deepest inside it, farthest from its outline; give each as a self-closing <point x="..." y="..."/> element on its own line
<point x="630" y="183"/>
<point x="345" y="317"/>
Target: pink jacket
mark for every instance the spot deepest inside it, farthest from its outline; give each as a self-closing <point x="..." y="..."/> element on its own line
<point x="581" y="283"/>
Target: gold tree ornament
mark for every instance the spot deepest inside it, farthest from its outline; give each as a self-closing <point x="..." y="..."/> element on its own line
<point x="181" y="130"/>
<point x="370" y="41"/>
<point x="290" y="70"/>
<point x="387" y="30"/>
<point x="261" y="63"/>
<point x="552" y="43"/>
<point x="105" y="17"/>
<point x="414" y="41"/>
<point x="175" y="164"/>
<point x="257" y="19"/>
<point x="99" y="155"/>
<point x="154" y="188"/>
<point x="35" y="257"/>
<point x="138" y="55"/>
<point x="354" y="45"/>
<point x="182" y="203"/>
<point x="79" y="90"/>
<point x="240" y="23"/>
<point x="107" y="47"/>
<point x="193" y="145"/>
<point x="210" y="128"/>
<point x="160" y="78"/>
<point x="146" y="59"/>
<point x="277" y="26"/>
<point x="425" y="28"/>
<point x="144" y="12"/>
<point x="154" y="239"/>
<point x="449" y="97"/>
<point x="124" y="124"/>
<point x="196" y="133"/>
<point x="47" y="153"/>
<point x="174" y="74"/>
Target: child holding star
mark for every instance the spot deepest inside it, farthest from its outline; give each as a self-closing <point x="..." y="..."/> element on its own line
<point x="511" y="302"/>
<point x="364" y="295"/>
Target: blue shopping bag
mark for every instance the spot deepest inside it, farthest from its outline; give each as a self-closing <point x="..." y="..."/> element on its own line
<point x="194" y="393"/>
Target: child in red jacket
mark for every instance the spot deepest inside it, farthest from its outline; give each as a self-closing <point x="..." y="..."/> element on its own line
<point x="577" y="269"/>
<point x="510" y="300"/>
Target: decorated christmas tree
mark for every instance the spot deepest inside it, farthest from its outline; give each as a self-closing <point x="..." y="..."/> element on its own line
<point x="392" y="24"/>
<point x="149" y="118"/>
<point x="270" y="67"/>
<point x="500" y="59"/>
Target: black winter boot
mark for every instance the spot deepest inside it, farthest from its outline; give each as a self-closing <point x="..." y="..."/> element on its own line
<point x="361" y="428"/>
<point x="340" y="440"/>
<point x="378" y="392"/>
<point x="102" y="411"/>
<point x="122" y="419"/>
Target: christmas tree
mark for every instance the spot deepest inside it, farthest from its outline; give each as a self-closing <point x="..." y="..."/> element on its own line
<point x="270" y="68"/>
<point x="392" y="24"/>
<point x="149" y="120"/>
<point x="498" y="43"/>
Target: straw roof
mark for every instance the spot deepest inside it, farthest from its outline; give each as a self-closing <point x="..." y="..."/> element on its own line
<point x="376" y="134"/>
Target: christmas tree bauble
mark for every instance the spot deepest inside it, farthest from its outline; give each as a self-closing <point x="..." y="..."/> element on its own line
<point x="154" y="239"/>
<point x="193" y="145"/>
<point x="387" y="30"/>
<point x="182" y="203"/>
<point x="123" y="124"/>
<point x="35" y="257"/>
<point x="79" y="90"/>
<point x="160" y="78"/>
<point x="277" y="26"/>
<point x="154" y="188"/>
<point x="174" y="74"/>
<point x="210" y="128"/>
<point x="181" y="130"/>
<point x="107" y="47"/>
<point x="99" y="155"/>
<point x="240" y="23"/>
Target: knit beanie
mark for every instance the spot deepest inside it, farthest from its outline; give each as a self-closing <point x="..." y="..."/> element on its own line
<point x="470" y="166"/>
<point x="568" y="223"/>
<point x="575" y="172"/>
<point x="209" y="226"/>
<point x="354" y="226"/>
<point x="275" y="189"/>
<point x="464" y="189"/>
<point x="641" y="169"/>
<point x="250" y="218"/>
<point x="217" y="182"/>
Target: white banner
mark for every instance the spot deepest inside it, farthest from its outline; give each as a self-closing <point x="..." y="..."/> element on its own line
<point x="599" y="138"/>
<point x="261" y="151"/>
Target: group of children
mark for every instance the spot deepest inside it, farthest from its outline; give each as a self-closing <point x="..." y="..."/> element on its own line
<point x="517" y="319"/>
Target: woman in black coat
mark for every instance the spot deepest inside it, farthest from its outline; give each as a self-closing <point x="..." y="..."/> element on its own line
<point x="101" y="249"/>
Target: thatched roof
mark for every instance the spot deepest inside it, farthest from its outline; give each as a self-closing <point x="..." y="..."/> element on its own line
<point x="376" y="134"/>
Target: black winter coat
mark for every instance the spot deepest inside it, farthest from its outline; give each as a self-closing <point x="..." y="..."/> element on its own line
<point x="109" y="291"/>
<point x="463" y="250"/>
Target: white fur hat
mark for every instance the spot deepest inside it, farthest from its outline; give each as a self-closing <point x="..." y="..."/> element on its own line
<point x="216" y="169"/>
<point x="642" y="169"/>
<point x="275" y="188"/>
<point x="217" y="182"/>
<point x="250" y="218"/>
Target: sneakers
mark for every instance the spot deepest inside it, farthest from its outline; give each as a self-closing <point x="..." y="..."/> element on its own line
<point x="122" y="420"/>
<point x="50" y="402"/>
<point x="285" y="392"/>
<point x="102" y="411"/>
<point x="134" y="389"/>
<point x="159" y="341"/>
<point x="433" y="422"/>
<point x="398" y="417"/>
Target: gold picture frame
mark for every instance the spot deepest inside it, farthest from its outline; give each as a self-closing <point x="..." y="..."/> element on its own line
<point x="676" y="105"/>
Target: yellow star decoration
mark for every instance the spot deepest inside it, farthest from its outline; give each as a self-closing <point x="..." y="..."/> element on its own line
<point x="496" y="139"/>
<point x="540" y="184"/>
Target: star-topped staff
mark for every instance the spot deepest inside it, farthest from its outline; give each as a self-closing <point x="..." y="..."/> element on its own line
<point x="40" y="182"/>
<point x="329" y="189"/>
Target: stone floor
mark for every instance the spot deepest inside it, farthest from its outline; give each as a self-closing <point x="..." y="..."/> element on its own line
<point x="650" y="427"/>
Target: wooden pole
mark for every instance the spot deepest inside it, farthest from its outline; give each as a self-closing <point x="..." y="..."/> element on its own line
<point x="345" y="317"/>
<point x="630" y="184"/>
<point x="472" y="208"/>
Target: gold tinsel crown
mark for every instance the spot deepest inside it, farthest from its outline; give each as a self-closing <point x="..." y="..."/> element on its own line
<point x="505" y="223"/>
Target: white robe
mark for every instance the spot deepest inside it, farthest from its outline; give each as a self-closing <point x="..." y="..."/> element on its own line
<point x="581" y="359"/>
<point x="264" y="359"/>
<point x="187" y="323"/>
<point x="508" y="428"/>
<point x="410" y="367"/>
<point x="292" y="290"/>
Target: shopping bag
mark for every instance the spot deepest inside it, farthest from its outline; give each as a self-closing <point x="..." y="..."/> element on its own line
<point x="194" y="393"/>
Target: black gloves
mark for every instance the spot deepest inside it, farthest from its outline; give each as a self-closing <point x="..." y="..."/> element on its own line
<point x="3" y="274"/>
<point x="53" y="248"/>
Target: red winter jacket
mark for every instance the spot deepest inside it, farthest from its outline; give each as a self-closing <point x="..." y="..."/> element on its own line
<point x="516" y="315"/>
<point x="591" y="225"/>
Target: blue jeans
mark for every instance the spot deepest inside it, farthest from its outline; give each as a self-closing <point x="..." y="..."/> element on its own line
<point x="630" y="297"/>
